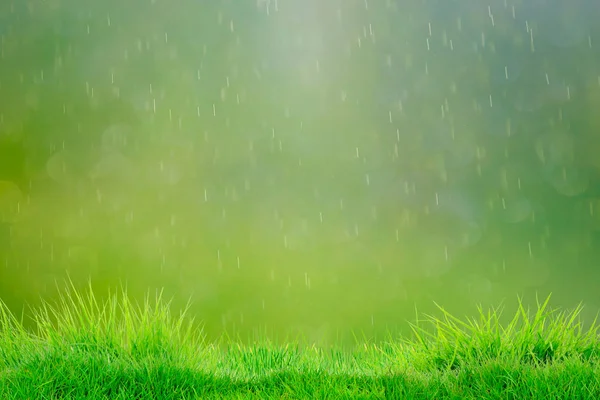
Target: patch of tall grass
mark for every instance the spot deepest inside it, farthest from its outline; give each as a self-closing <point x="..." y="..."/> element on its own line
<point x="117" y="349"/>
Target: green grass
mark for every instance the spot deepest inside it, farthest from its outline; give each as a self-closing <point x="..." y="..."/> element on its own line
<point x="116" y="349"/>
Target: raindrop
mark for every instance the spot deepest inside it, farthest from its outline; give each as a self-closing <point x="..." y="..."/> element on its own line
<point x="568" y="180"/>
<point x="10" y="200"/>
<point x="116" y="137"/>
<point x="507" y="69"/>
<point x="456" y="217"/>
<point x="555" y="148"/>
<point x="435" y="258"/>
<point x="166" y="172"/>
<point x="59" y="169"/>
<point x="150" y="245"/>
<point x="81" y="258"/>
<point x="514" y="209"/>
<point x="477" y="288"/>
<point x="591" y="212"/>
<point x="111" y="165"/>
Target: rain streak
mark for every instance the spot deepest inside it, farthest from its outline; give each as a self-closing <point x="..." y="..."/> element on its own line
<point x="313" y="166"/>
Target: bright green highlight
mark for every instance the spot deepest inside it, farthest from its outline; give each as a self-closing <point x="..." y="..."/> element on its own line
<point x="116" y="349"/>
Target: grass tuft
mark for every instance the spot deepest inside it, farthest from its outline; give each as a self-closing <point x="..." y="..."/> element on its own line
<point x="548" y="336"/>
<point x="116" y="349"/>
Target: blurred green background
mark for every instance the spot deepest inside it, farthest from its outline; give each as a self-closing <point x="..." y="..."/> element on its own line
<point x="302" y="166"/>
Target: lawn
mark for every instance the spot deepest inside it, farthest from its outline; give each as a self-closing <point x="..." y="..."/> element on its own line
<point x="117" y="349"/>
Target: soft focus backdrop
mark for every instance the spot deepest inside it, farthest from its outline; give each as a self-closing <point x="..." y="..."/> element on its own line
<point x="302" y="166"/>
